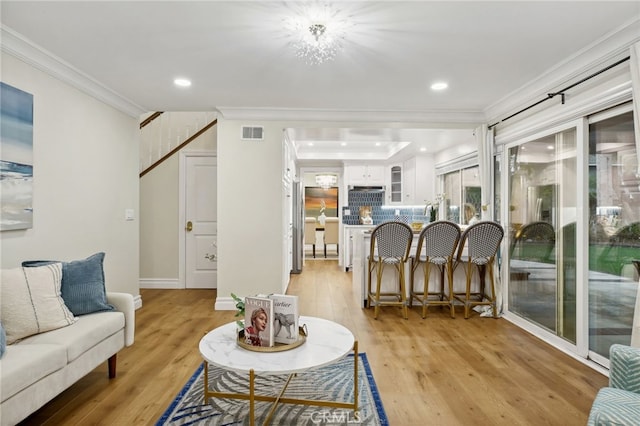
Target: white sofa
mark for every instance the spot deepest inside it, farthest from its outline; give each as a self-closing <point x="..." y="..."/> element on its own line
<point x="36" y="369"/>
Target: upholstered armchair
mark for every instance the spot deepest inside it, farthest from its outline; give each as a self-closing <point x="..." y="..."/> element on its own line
<point x="619" y="403"/>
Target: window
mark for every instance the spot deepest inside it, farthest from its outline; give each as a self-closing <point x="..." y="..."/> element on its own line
<point x="462" y="195"/>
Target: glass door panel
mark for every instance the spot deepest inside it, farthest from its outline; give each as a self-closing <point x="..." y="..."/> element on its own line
<point x="614" y="231"/>
<point x="542" y="215"/>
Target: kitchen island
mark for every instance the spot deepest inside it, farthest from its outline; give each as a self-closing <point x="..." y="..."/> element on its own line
<point x="349" y="234"/>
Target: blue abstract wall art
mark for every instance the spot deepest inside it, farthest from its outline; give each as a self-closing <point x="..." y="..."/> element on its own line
<point x="16" y="158"/>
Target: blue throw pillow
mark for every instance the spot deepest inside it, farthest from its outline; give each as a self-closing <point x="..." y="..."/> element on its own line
<point x="83" y="289"/>
<point x="3" y="340"/>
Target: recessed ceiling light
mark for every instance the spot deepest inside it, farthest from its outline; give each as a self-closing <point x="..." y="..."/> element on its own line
<point x="343" y="144"/>
<point x="440" y="85"/>
<point x="182" y="82"/>
<point x="378" y="144"/>
<point x="423" y="149"/>
<point x="550" y="147"/>
<point x="309" y="143"/>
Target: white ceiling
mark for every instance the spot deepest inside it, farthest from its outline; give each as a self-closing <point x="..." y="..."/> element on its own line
<point x="237" y="55"/>
<point x="343" y="144"/>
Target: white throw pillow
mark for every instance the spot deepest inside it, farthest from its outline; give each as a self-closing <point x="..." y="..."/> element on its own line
<point x="31" y="302"/>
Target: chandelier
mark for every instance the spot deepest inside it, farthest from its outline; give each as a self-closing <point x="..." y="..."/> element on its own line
<point x="318" y="32"/>
<point x="326" y="181"/>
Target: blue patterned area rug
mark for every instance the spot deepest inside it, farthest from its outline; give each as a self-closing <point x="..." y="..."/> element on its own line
<point x="332" y="382"/>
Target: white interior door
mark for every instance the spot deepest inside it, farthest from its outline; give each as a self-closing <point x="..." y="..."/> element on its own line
<point x="201" y="214"/>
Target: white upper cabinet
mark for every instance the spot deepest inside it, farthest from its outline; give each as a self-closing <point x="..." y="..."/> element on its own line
<point x="365" y="174"/>
<point x="424" y="179"/>
<point x="409" y="182"/>
<point x="417" y="181"/>
<point x="395" y="184"/>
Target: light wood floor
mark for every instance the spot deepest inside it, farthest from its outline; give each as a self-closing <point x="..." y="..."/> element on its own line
<point x="437" y="371"/>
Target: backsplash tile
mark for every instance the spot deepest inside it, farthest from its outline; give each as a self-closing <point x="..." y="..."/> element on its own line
<point x="378" y="214"/>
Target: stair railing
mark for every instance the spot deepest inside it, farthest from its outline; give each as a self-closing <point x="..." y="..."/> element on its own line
<point x="161" y="138"/>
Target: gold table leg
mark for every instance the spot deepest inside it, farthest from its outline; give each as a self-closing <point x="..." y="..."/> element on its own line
<point x="252" y="397"/>
<point x="252" y="400"/>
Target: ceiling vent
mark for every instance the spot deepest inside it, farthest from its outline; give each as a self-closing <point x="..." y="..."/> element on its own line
<point x="252" y="133"/>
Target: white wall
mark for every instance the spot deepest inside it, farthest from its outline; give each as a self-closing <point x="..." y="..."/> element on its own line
<point x="159" y="221"/>
<point x="159" y="212"/>
<point x="85" y="176"/>
<point x="250" y="211"/>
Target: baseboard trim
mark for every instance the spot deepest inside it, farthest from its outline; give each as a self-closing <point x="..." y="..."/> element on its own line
<point x="225" y="304"/>
<point x="161" y="283"/>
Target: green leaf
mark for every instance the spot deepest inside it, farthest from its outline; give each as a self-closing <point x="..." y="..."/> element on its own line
<point x="239" y="305"/>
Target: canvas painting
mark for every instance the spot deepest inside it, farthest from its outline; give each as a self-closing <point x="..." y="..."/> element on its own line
<point x="319" y="201"/>
<point x="16" y="158"/>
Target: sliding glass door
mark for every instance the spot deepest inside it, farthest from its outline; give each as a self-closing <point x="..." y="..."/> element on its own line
<point x="542" y="202"/>
<point x="573" y="200"/>
<point x="614" y="230"/>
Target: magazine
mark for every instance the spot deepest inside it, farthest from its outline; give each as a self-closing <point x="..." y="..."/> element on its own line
<point x="258" y="318"/>
<point x="285" y="318"/>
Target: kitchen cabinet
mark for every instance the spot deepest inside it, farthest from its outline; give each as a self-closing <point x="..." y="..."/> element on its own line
<point x="418" y="181"/>
<point x="365" y="174"/>
<point x="402" y="184"/>
<point x="395" y="184"/>
<point x="409" y="180"/>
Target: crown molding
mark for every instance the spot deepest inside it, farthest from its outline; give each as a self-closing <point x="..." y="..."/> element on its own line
<point x="286" y="114"/>
<point x="607" y="50"/>
<point x="16" y="45"/>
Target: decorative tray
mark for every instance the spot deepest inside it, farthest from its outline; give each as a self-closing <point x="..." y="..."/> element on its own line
<point x="278" y="347"/>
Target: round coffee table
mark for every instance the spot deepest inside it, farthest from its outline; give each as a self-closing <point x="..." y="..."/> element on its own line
<point x="326" y="342"/>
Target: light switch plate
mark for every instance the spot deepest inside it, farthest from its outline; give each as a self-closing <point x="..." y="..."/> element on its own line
<point x="129" y="214"/>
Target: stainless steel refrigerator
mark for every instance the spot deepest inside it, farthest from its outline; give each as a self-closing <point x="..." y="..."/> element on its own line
<point x="297" y="213"/>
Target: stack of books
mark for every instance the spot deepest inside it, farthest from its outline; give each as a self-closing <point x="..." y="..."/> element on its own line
<point x="271" y="319"/>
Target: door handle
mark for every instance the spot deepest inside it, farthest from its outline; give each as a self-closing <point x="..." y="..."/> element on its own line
<point x="211" y="257"/>
<point x="189" y="226"/>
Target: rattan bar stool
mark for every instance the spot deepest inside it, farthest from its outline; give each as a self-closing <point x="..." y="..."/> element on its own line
<point x="482" y="241"/>
<point x="437" y="245"/>
<point x="390" y="246"/>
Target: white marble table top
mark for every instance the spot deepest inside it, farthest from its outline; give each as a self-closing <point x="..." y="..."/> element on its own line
<point x="326" y="342"/>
